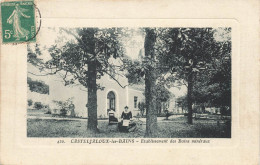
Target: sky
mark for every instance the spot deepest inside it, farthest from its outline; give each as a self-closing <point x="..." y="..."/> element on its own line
<point x="132" y="44"/>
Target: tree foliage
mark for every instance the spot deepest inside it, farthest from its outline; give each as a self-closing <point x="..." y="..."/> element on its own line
<point x="92" y="45"/>
<point x="182" y="50"/>
<point x="84" y="59"/>
<point x="194" y="57"/>
<point x="37" y="86"/>
<point x="213" y="86"/>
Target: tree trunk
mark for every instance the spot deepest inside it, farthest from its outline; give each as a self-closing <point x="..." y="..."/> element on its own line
<point x="189" y="98"/>
<point x="151" y="111"/>
<point x="92" y="98"/>
<point x="92" y="85"/>
<point x="150" y="79"/>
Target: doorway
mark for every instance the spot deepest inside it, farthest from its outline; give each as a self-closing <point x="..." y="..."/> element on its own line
<point x="111" y="101"/>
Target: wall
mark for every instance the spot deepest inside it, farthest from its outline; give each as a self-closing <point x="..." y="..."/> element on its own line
<point x="131" y="94"/>
<point x="60" y="92"/>
<point x="120" y="95"/>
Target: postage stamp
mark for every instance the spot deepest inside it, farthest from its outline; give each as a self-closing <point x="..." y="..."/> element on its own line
<point x="18" y="22"/>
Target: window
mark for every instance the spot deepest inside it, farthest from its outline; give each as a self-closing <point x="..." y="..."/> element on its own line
<point x="135" y="101"/>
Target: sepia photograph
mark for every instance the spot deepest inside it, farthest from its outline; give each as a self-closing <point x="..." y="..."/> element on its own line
<point x="122" y="82"/>
<point x="129" y="82"/>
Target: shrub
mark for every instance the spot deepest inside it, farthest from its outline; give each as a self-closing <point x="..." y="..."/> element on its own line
<point x="63" y="112"/>
<point x="65" y="106"/>
<point x="47" y="107"/>
<point x="48" y="112"/>
<point x="30" y="102"/>
<point x="38" y="105"/>
<point x="141" y="106"/>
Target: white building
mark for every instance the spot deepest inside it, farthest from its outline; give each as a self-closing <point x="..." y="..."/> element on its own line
<point x="112" y="97"/>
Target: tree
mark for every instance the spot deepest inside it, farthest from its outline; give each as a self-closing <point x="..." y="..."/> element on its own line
<point x="150" y="83"/>
<point x="37" y="86"/>
<point x="182" y="101"/>
<point x="65" y="106"/>
<point x="149" y="71"/>
<point x="83" y="60"/>
<point x="185" y="52"/>
<point x="162" y="95"/>
<point x="135" y="71"/>
<point x="214" y="87"/>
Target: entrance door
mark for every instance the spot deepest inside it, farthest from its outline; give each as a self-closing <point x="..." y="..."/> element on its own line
<point x="111" y="101"/>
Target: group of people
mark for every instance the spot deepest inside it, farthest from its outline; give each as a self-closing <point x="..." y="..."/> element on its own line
<point x="126" y="124"/>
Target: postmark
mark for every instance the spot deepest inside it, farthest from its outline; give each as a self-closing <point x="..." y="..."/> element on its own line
<point x="18" y="22"/>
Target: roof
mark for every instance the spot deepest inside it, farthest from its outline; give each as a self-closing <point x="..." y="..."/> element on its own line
<point x="139" y="87"/>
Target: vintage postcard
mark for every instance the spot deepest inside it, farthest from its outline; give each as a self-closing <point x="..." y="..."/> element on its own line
<point x="103" y="84"/>
<point x="158" y="82"/>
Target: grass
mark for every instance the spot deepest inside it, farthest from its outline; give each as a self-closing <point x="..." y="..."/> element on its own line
<point x="177" y="128"/>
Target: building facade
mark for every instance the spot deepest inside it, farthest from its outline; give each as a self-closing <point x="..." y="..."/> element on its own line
<point x="112" y="97"/>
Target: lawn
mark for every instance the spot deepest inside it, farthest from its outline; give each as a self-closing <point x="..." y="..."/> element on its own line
<point x="174" y="128"/>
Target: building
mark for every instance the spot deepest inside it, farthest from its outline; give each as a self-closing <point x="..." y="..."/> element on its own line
<point x="113" y="96"/>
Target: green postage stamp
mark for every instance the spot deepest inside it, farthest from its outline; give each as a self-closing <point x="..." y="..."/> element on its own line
<point x="18" y="21"/>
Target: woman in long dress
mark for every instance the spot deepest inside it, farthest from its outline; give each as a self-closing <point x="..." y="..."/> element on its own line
<point x="14" y="19"/>
<point x="126" y="115"/>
